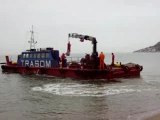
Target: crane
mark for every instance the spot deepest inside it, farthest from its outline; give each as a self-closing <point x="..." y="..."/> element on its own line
<point x="94" y="42"/>
<point x="86" y="37"/>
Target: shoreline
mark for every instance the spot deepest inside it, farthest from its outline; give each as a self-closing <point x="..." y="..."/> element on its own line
<point x="153" y="117"/>
<point x="148" y="115"/>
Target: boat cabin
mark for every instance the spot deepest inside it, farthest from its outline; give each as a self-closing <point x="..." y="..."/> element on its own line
<point x="46" y="58"/>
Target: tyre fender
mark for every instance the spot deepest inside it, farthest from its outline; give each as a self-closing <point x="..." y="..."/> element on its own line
<point x="126" y="68"/>
<point x="108" y="68"/>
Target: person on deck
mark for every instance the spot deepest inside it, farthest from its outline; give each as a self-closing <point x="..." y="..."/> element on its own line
<point x="112" y="59"/>
<point x="63" y="60"/>
<point x="101" y="58"/>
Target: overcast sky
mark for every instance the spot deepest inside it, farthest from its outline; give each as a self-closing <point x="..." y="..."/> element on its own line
<point x="118" y="25"/>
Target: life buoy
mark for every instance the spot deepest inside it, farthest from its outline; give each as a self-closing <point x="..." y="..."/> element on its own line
<point x="108" y="68"/>
<point x="140" y="68"/>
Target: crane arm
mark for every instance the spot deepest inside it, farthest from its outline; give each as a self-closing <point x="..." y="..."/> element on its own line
<point x="82" y="37"/>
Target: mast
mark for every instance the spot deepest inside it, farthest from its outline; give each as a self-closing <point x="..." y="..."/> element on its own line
<point x="32" y="42"/>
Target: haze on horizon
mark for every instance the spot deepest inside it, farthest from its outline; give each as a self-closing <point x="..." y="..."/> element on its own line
<point x="118" y="25"/>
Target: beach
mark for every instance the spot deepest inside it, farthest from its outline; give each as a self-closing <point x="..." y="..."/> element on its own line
<point x="154" y="117"/>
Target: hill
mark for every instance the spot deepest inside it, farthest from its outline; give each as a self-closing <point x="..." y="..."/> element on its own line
<point x="154" y="48"/>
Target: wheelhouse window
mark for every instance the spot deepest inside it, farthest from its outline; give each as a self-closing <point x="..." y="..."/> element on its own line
<point x="34" y="55"/>
<point x="31" y="55"/>
<point x="27" y="55"/>
<point x="42" y="55"/>
<point x="23" y="55"/>
<point x="38" y="55"/>
<point x="47" y="55"/>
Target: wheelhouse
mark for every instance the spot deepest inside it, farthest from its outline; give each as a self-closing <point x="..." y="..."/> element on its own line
<point x="46" y="58"/>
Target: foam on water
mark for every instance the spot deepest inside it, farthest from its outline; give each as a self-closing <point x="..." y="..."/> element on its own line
<point x="74" y="89"/>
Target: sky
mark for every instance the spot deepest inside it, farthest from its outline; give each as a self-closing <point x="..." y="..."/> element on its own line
<point x="118" y="25"/>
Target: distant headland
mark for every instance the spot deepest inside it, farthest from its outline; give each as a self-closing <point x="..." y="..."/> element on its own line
<point x="154" y="48"/>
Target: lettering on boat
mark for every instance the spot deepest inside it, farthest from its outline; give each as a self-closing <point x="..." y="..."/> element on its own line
<point x="36" y="63"/>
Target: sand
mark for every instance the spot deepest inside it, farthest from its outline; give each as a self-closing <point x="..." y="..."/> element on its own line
<point x="154" y="117"/>
<point x="149" y="115"/>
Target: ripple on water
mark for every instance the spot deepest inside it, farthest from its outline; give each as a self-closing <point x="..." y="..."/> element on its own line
<point x="74" y="89"/>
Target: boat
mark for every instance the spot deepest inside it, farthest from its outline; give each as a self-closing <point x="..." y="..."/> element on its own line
<point x="47" y="61"/>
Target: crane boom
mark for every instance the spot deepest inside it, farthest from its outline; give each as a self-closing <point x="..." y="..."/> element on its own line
<point x="83" y="37"/>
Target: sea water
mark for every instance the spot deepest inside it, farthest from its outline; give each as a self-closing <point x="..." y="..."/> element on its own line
<point x="40" y="97"/>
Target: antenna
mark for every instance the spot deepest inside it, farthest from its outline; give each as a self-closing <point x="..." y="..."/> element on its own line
<point x="32" y="42"/>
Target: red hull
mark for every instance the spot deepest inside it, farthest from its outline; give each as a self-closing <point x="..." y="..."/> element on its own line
<point x="114" y="72"/>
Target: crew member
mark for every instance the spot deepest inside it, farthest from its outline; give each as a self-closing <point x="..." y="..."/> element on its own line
<point x="68" y="48"/>
<point x="112" y="59"/>
<point x="101" y="58"/>
<point x="64" y="60"/>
